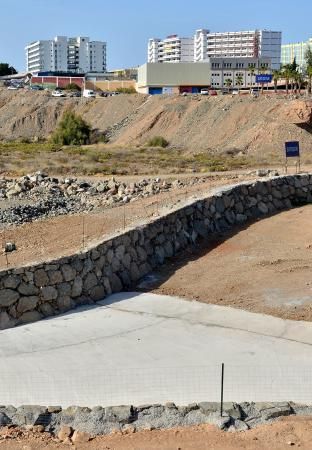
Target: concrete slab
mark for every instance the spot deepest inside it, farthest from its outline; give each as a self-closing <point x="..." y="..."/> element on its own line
<point x="136" y="348"/>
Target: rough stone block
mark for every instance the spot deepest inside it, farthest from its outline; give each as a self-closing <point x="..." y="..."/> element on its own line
<point x="27" y="304"/>
<point x="29" y="317"/>
<point x="11" y="282"/>
<point x="68" y="272"/>
<point x="48" y="293"/>
<point x="8" y="297"/>
<point x="28" y="289"/>
<point x="41" y="278"/>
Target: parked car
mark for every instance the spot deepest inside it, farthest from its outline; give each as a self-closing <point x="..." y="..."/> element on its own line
<point x="212" y="92"/>
<point x="235" y="92"/>
<point x="13" y="86"/>
<point x="254" y="93"/>
<point x="74" y="94"/>
<point x="89" y="93"/>
<point x="204" y="91"/>
<point x="35" y="87"/>
<point x="57" y="93"/>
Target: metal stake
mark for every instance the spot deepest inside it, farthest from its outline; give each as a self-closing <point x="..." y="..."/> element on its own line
<point x="222" y="388"/>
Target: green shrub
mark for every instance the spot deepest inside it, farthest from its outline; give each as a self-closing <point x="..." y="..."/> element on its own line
<point x="72" y="130"/>
<point x="72" y="87"/>
<point x="158" y="141"/>
<point x="129" y="90"/>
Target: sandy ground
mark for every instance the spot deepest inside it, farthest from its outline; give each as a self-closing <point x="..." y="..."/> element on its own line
<point x="64" y="235"/>
<point x="289" y="432"/>
<point x="265" y="268"/>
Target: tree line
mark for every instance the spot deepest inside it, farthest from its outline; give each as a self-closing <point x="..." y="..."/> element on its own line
<point x="6" y="69"/>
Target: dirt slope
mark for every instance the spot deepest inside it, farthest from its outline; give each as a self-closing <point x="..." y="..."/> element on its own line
<point x="193" y="123"/>
<point x="221" y="123"/>
<point x="25" y="114"/>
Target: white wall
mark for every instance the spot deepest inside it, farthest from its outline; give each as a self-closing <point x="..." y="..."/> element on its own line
<point x="183" y="74"/>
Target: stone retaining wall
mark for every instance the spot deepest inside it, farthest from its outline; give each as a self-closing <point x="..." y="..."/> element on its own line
<point x="129" y="419"/>
<point x="30" y="293"/>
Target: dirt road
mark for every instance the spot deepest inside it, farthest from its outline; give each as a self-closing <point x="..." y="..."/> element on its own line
<point x="265" y="268"/>
<point x="288" y="432"/>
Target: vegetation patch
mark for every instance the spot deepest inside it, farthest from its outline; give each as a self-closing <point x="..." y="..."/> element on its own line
<point x="158" y="141"/>
<point x="72" y="130"/>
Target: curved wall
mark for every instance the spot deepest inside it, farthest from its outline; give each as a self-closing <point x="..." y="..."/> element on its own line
<point x="30" y="293"/>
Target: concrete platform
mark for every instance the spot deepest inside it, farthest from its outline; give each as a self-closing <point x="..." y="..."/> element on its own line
<point x="139" y="348"/>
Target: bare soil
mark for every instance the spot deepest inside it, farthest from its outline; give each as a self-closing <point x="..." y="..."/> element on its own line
<point x="288" y="432"/>
<point x="264" y="267"/>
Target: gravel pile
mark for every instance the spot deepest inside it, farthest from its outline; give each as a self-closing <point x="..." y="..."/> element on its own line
<point x="35" y="196"/>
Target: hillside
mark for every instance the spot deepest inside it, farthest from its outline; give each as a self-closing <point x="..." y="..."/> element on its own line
<point x="193" y="123"/>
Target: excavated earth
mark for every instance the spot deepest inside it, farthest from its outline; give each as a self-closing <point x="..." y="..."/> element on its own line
<point x="193" y="123"/>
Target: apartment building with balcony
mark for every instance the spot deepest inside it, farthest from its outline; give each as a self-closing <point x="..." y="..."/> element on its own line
<point x="238" y="44"/>
<point x="173" y="49"/>
<point x="63" y="54"/>
<point x="296" y="51"/>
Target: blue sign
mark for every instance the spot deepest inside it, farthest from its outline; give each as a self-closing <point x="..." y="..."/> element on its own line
<point x="292" y="149"/>
<point x="264" y="78"/>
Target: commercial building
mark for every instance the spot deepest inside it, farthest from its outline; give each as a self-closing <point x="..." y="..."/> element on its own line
<point x="173" y="49"/>
<point x="237" y="72"/>
<point x="158" y="78"/>
<point x="236" y="44"/>
<point x="216" y="73"/>
<point x="63" y="54"/>
<point x="296" y="50"/>
<point x="52" y="80"/>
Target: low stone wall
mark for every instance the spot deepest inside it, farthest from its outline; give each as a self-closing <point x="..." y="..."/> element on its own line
<point x="30" y="293"/>
<point x="129" y="419"/>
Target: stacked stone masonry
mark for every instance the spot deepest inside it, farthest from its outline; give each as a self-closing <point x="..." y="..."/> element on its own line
<point x="31" y="293"/>
<point x="129" y="419"/>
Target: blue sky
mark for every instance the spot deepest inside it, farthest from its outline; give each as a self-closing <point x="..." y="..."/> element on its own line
<point x="126" y="25"/>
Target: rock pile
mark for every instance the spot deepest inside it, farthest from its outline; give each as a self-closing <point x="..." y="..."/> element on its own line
<point x="80" y="424"/>
<point x="35" y="196"/>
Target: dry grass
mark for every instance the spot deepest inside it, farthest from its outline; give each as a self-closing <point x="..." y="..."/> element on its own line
<point x="19" y="158"/>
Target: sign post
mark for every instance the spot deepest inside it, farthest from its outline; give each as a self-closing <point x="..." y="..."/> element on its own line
<point x="292" y="150"/>
<point x="264" y="78"/>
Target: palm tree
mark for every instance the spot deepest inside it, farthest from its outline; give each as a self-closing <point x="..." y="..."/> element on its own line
<point x="287" y="74"/>
<point x="298" y="78"/>
<point x="228" y="83"/>
<point x="276" y="78"/>
<point x="239" y="81"/>
<point x="252" y="74"/>
<point x="309" y="73"/>
<point x="261" y="70"/>
<point x="308" y="60"/>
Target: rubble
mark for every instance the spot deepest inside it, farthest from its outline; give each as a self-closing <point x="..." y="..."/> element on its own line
<point x="36" y="196"/>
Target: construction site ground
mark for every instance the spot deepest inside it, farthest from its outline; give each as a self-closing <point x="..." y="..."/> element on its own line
<point x="288" y="432"/>
<point x="64" y="235"/>
<point x="264" y="267"/>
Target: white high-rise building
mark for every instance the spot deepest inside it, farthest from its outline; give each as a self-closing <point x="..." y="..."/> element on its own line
<point x="204" y="44"/>
<point x="63" y="54"/>
<point x="240" y="44"/>
<point x="173" y="49"/>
